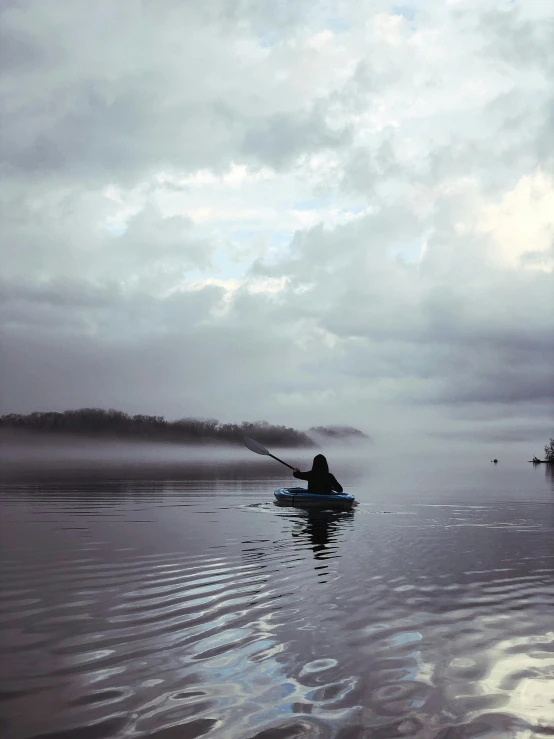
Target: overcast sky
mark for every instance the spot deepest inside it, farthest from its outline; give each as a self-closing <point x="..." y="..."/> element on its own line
<point x="335" y="211"/>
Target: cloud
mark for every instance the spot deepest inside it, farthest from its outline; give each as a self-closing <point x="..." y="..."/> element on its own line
<point x="180" y="89"/>
<point x="523" y="222"/>
<point x="281" y="139"/>
<point x="308" y="214"/>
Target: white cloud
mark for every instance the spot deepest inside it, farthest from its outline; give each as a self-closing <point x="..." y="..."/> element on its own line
<point x="522" y="223"/>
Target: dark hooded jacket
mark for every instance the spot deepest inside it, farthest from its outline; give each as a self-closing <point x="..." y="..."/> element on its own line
<point x="319" y="479"/>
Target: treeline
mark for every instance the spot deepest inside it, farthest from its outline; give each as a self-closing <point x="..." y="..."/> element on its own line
<point x="112" y="423"/>
<point x="339" y="432"/>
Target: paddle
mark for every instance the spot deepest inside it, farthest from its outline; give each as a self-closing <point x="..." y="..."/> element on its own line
<point x="259" y="449"/>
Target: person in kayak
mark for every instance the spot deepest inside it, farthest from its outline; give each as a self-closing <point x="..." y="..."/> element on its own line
<point x="320" y="480"/>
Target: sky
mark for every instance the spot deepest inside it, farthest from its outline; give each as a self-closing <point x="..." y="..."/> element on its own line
<point x="308" y="212"/>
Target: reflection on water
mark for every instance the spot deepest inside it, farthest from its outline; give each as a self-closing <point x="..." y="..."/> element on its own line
<point x="549" y="470"/>
<point x="320" y="531"/>
<point x="193" y="606"/>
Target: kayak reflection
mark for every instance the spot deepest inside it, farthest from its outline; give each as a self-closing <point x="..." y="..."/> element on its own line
<point x="322" y="532"/>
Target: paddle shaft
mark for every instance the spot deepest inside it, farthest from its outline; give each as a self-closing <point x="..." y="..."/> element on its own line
<point x="280" y="460"/>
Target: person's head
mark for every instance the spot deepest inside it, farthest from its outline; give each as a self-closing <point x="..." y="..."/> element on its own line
<point x="320" y="465"/>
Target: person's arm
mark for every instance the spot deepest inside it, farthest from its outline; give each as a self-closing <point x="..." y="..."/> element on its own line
<point x="335" y="485"/>
<point x="300" y="475"/>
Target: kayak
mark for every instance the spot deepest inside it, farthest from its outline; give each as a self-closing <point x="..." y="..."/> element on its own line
<point x="301" y="498"/>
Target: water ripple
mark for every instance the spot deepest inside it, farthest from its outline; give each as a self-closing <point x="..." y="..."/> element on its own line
<point x="433" y="621"/>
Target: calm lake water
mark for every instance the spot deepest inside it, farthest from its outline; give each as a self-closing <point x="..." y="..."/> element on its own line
<point x="181" y="602"/>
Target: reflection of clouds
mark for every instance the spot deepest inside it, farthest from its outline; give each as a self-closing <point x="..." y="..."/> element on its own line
<point x="414" y="624"/>
<point x="417" y="669"/>
<point x="549" y="472"/>
<point x="523" y="671"/>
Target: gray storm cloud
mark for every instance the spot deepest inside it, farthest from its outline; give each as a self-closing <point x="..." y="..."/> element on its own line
<point x="281" y="211"/>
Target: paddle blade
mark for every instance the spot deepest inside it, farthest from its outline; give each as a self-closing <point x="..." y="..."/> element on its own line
<point x="254" y="446"/>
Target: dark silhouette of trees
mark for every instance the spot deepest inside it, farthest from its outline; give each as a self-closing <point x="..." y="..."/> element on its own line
<point x="549" y="451"/>
<point x="339" y="432"/>
<point x="112" y="423"/>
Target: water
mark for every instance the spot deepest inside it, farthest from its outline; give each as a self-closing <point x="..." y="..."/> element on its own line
<point x="185" y="604"/>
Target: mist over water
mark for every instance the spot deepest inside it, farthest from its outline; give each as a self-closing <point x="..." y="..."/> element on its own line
<point x="31" y="454"/>
<point x="28" y="449"/>
<point x="159" y="592"/>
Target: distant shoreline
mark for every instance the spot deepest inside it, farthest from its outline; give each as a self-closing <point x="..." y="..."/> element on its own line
<point x="98" y="424"/>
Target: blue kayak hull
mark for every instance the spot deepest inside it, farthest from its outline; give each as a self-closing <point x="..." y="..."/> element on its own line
<point x="301" y="498"/>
